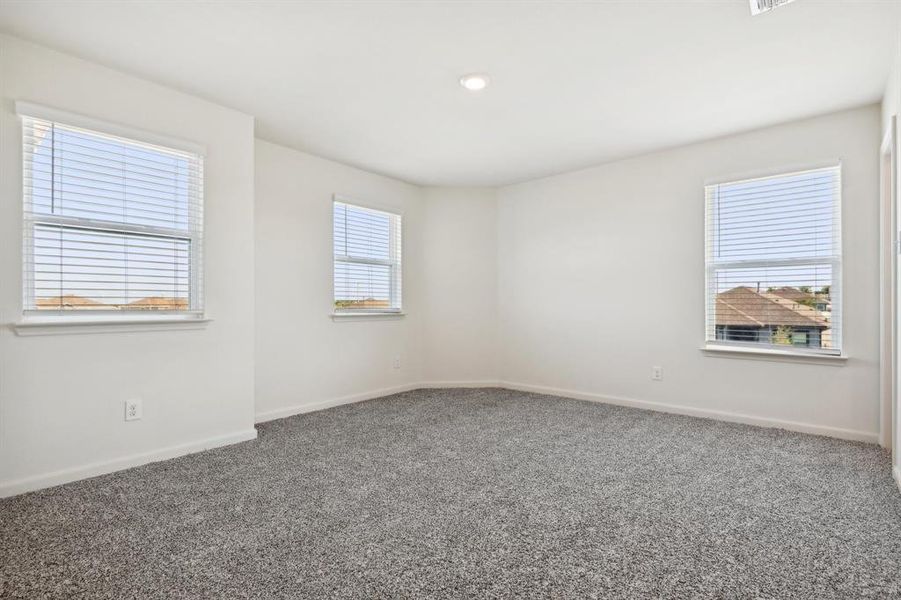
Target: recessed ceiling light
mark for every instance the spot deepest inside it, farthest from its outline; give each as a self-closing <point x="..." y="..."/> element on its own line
<point x="474" y="82"/>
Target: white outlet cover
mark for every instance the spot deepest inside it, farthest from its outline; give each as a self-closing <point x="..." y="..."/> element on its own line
<point x="133" y="410"/>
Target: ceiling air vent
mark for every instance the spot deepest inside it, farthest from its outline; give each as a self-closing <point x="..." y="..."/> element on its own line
<point x="761" y="6"/>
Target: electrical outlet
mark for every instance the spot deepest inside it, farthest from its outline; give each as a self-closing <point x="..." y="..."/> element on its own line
<point x="133" y="409"/>
<point x="396" y="362"/>
<point x="657" y="373"/>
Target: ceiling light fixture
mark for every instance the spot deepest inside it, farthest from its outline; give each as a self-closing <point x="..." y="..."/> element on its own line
<point x="474" y="82"/>
<point x="761" y="6"/>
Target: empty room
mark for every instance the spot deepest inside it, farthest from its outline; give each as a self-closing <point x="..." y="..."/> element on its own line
<point x="450" y="299"/>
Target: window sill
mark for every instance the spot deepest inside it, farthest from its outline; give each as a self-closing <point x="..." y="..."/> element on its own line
<point x="796" y="356"/>
<point x="66" y="325"/>
<point x="357" y="316"/>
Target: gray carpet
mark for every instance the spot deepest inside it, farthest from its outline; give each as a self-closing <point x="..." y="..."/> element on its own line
<point x="473" y="493"/>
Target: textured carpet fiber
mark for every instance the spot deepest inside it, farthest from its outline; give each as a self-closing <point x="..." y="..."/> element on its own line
<point x="473" y="493"/>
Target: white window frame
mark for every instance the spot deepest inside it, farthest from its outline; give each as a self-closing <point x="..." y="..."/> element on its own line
<point x="835" y="262"/>
<point x="41" y="321"/>
<point x="395" y="248"/>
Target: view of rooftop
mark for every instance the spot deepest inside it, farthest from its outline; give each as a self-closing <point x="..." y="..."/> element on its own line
<point x="785" y="315"/>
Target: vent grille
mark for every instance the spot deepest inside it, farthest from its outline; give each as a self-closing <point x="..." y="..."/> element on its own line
<point x="761" y="6"/>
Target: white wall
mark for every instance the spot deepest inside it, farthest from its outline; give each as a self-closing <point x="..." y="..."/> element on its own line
<point x="304" y="359"/>
<point x="61" y="396"/>
<point x="601" y="277"/>
<point x="460" y="286"/>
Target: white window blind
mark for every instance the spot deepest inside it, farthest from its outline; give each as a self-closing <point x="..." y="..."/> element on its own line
<point x="110" y="224"/>
<point x="774" y="260"/>
<point x="367" y="259"/>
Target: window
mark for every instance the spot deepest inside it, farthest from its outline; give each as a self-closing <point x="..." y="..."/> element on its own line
<point x="367" y="260"/>
<point x="110" y="224"/>
<point x="773" y="254"/>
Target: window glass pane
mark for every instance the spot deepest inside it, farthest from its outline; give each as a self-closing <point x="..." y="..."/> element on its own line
<point x="91" y="270"/>
<point x="784" y="217"/>
<point x="362" y="286"/>
<point x="87" y="176"/>
<point x="362" y="233"/>
<point x="768" y="304"/>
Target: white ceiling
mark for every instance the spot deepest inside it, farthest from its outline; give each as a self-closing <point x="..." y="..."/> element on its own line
<point x="374" y="84"/>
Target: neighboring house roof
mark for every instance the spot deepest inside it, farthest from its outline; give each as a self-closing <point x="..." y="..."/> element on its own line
<point x="68" y="301"/>
<point x="365" y="303"/>
<point x="158" y="303"/>
<point x="790" y="293"/>
<point x="743" y="306"/>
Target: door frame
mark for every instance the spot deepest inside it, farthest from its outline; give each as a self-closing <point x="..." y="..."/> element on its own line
<point x="888" y="309"/>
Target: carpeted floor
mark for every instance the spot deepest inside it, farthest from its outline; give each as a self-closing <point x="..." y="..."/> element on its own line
<point x="473" y="493"/>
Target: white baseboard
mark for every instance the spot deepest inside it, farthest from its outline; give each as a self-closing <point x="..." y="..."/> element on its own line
<point x="896" y="473"/>
<point x="458" y="384"/>
<point x="37" y="482"/>
<point x="297" y="409"/>
<point x="720" y="415"/>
